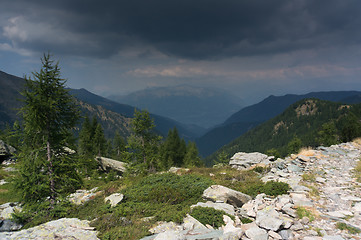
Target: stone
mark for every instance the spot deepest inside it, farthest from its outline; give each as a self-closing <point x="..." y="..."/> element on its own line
<point x="297" y="226"/>
<point x="333" y="237"/>
<point x="256" y="233"/>
<point x="220" y="193"/>
<point x="166" y="226"/>
<point x="6" y="151"/>
<point x="114" y="199"/>
<point x="193" y="225"/>
<point x="357" y="207"/>
<point x="8" y="225"/>
<point x="7" y="209"/>
<point x="81" y="196"/>
<point x="294" y="168"/>
<point x="178" y="170"/>
<point x="64" y="228"/>
<point x="268" y="220"/>
<point x="170" y="235"/>
<point x="303" y="158"/>
<point x="242" y="160"/>
<point x="274" y="235"/>
<point x="107" y="164"/>
<point x="216" y="205"/>
<point x="286" y="234"/>
<point x="320" y="180"/>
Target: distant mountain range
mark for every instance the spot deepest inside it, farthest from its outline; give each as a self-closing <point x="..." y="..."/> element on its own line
<point x="110" y="114"/>
<point x="251" y="116"/>
<point x="304" y="120"/>
<point x="205" y="107"/>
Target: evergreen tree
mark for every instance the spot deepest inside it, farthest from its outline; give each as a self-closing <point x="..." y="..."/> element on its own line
<point x="47" y="170"/>
<point x="173" y="150"/>
<point x="99" y="141"/>
<point x="144" y="143"/>
<point x="85" y="138"/>
<point x="328" y="134"/>
<point x="294" y="145"/>
<point x="192" y="159"/>
<point x="118" y="145"/>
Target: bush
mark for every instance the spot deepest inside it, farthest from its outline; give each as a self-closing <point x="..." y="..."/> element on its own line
<point x="270" y="188"/>
<point x="168" y="188"/>
<point x="350" y="229"/>
<point x="303" y="212"/>
<point x="208" y="215"/>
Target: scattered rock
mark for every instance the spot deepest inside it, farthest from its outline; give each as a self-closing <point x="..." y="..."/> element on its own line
<point x="114" y="199"/>
<point x="218" y="193"/>
<point x="242" y="160"/>
<point x="81" y="196"/>
<point x="65" y="228"/>
<point x="107" y="164"/>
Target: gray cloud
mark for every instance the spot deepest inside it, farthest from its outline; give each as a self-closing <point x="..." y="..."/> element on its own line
<point x="202" y="29"/>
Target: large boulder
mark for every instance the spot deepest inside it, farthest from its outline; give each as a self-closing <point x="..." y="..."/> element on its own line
<point x="64" y="228"/>
<point x="218" y="193"/>
<point x="242" y="160"/>
<point x="107" y="164"/>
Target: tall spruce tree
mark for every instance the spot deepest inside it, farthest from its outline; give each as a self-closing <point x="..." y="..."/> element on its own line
<point x="47" y="169"/>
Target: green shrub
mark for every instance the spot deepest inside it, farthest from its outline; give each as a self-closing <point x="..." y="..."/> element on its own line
<point x="245" y="220"/>
<point x="350" y="229"/>
<point x="303" y="212"/>
<point x="208" y="215"/>
<point x="168" y="188"/>
<point x="270" y="188"/>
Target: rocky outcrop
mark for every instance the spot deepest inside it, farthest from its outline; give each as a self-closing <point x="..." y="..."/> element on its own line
<point x="242" y="160"/>
<point x="6" y="151"/>
<point x="218" y="193"/>
<point x="107" y="164"/>
<point x="81" y="195"/>
<point x="65" y="228"/>
<point x="6" y="223"/>
<point x="114" y="199"/>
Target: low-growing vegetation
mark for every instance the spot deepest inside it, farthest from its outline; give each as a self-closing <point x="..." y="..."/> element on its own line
<point x="210" y="216"/>
<point x="304" y="212"/>
<point x="350" y="229"/>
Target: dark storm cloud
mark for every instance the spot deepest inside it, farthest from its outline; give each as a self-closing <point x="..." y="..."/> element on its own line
<point x="196" y="29"/>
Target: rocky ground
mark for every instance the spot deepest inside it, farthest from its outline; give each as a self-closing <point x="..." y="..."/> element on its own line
<point x="323" y="192"/>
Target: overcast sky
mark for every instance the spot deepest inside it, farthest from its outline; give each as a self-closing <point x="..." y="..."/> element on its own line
<point x="252" y="48"/>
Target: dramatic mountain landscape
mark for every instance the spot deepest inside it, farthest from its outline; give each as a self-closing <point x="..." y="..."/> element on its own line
<point x="204" y="107"/>
<point x="253" y="115"/>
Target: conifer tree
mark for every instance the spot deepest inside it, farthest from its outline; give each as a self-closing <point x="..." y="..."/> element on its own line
<point x="47" y="170"/>
<point x="118" y="145"/>
<point x="144" y="143"/>
<point x="99" y="141"/>
<point x="85" y="138"/>
<point x="173" y="150"/>
<point x="191" y="158"/>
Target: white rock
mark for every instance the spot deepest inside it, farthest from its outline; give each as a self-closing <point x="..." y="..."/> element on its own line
<point x="256" y="233"/>
<point x="114" y="199"/>
<point x="64" y="228"/>
<point x="170" y="235"/>
<point x="220" y="193"/>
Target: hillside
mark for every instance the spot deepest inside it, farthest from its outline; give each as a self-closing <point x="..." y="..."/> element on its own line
<point x="9" y="96"/>
<point x="200" y="106"/>
<point x="163" y="124"/>
<point x="304" y="120"/>
<point x="117" y="114"/>
<point x="251" y="116"/>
